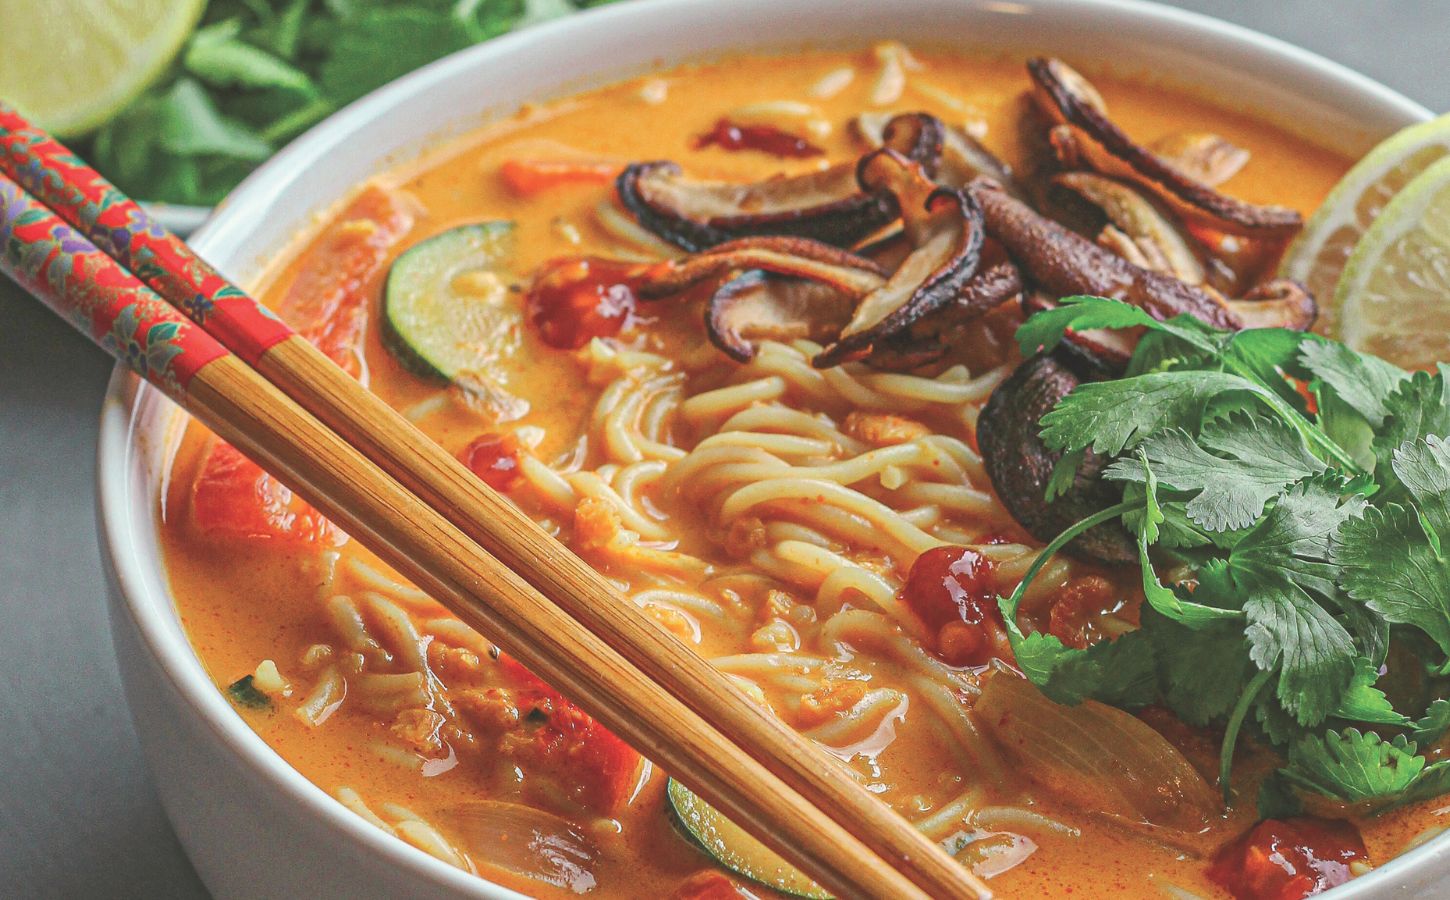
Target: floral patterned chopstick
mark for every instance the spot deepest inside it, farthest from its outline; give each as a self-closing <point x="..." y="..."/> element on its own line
<point x="120" y="227"/>
<point x="93" y="292"/>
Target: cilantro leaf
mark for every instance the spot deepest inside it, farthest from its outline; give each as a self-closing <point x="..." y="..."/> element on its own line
<point x="1430" y="727"/>
<point x="382" y="44"/>
<point x="217" y="56"/>
<point x="1277" y="799"/>
<point x="1120" y="672"/>
<point x="1363" y="382"/>
<point x="1279" y="567"/>
<point x="1393" y="558"/>
<point x="1258" y="458"/>
<point x="1417" y="409"/>
<point x="1202" y="671"/>
<point x="1351" y="765"/>
<point x="1046" y="329"/>
<point x="1363" y="702"/>
<point x="1112" y="416"/>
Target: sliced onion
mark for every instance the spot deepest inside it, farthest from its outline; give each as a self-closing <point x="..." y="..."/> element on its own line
<point x="1101" y="759"/>
<point x="528" y="842"/>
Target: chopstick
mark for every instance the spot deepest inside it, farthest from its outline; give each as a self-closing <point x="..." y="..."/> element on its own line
<point x="221" y="391"/>
<point x="421" y="466"/>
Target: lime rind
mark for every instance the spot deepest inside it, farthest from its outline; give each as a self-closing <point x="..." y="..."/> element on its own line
<point x="77" y="63"/>
<point x="1357" y="200"/>
<point x="1367" y="320"/>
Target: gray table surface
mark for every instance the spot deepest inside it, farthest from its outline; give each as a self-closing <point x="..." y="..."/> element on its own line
<point x="78" y="815"/>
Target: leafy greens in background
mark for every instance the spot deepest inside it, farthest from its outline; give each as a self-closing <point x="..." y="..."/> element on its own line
<point x="1306" y="487"/>
<point x="257" y="73"/>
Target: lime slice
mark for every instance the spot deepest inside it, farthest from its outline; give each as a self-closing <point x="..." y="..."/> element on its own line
<point x="1318" y="256"/>
<point x="1394" y="296"/>
<point x="72" y="64"/>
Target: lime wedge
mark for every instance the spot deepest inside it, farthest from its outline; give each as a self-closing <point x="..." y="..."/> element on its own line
<point x="1394" y="296"/>
<point x="1318" y="256"/>
<point x="73" y="64"/>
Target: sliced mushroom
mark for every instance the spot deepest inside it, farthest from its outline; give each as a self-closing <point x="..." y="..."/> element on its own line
<point x="758" y="306"/>
<point x="1202" y="156"/>
<point x="1020" y="466"/>
<point x="828" y="205"/>
<point x="927" y="340"/>
<point x="1138" y="231"/>
<point x="961" y="156"/>
<point x="944" y="228"/>
<point x="1078" y="110"/>
<point x="800" y="257"/>
<point x="1063" y="263"/>
<point x="1279" y="303"/>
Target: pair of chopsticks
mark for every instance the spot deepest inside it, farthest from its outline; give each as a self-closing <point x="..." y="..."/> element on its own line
<point x="96" y="258"/>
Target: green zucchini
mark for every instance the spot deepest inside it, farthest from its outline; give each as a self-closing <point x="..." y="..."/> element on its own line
<point x="443" y="315"/>
<point x="732" y="847"/>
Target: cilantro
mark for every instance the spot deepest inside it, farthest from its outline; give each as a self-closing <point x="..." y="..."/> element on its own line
<point x="259" y="72"/>
<point x="1256" y="459"/>
<point x="1306" y="488"/>
<point x="1394" y="557"/>
<point x="1351" y="766"/>
<point x="1362" y="382"/>
<point x="244" y="693"/>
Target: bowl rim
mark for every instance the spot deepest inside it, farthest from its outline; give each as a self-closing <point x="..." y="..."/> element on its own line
<point x="148" y="604"/>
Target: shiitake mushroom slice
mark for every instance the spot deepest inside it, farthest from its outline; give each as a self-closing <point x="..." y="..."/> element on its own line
<point x="1072" y="103"/>
<point x="944" y="228"/>
<point x="1062" y="263"/>
<point x="828" y="205"/>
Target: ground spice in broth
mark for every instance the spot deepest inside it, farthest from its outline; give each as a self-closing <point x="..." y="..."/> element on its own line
<point x="649" y="453"/>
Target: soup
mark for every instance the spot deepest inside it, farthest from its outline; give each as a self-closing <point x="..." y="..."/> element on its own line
<point x="809" y="509"/>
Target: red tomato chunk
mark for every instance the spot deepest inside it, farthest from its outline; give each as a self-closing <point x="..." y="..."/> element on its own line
<point x="952" y="591"/>
<point x="495" y="459"/>
<point x="587" y="760"/>
<point x="574" y="300"/>
<point x="1288" y="859"/>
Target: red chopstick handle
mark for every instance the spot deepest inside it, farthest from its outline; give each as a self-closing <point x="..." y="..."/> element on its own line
<point x="119" y="226"/>
<point x="87" y="288"/>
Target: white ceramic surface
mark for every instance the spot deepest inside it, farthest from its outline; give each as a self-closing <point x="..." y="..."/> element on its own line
<point x="253" y="827"/>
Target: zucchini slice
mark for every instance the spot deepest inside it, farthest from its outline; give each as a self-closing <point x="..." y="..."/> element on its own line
<point x="734" y="848"/>
<point x="447" y="308"/>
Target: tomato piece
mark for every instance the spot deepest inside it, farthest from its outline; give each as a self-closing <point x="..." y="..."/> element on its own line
<point x="575" y="300"/>
<point x="326" y="304"/>
<point x="495" y="459"/>
<point x="233" y="499"/>
<point x="1075" y="605"/>
<point x="765" y="138"/>
<point x="952" y="591"/>
<point x="527" y="177"/>
<point x="597" y="768"/>
<point x="327" y="300"/>
<point x="1288" y="859"/>
<point x="710" y="884"/>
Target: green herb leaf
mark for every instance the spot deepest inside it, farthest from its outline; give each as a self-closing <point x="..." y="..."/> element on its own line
<point x="1351" y="766"/>
<point x="216" y="56"/>
<point x="244" y="693"/>
<point x="1363" y="382"/>
<point x="1046" y="329"/>
<point x="1257" y="458"/>
<point x="1201" y="671"/>
<point x="189" y="124"/>
<point x="1112" y="416"/>
<point x="1393" y="557"/>
<point x="1363" y="702"/>
<point x="1281" y="566"/>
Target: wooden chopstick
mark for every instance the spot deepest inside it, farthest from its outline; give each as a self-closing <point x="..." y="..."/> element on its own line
<point x="89" y="289"/>
<point x="423" y="467"/>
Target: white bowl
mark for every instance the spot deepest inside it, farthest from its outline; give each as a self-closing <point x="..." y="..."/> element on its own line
<point x="252" y="825"/>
